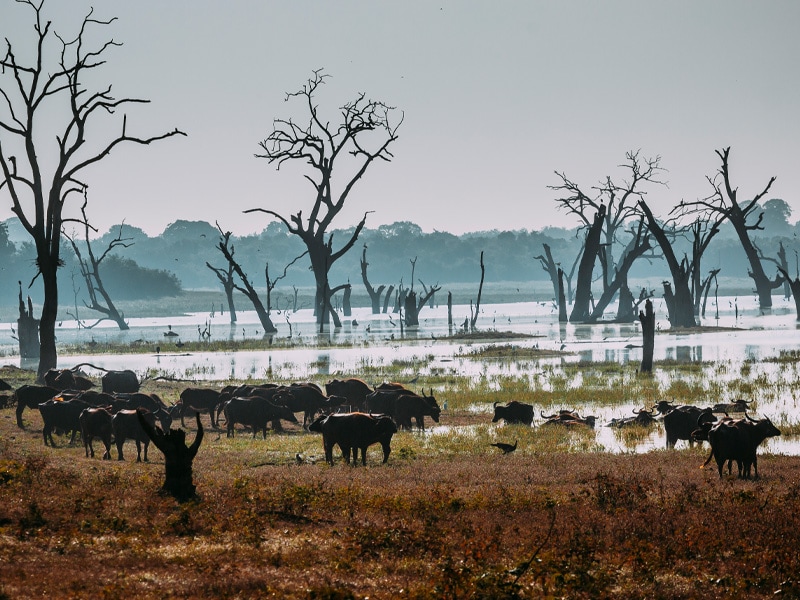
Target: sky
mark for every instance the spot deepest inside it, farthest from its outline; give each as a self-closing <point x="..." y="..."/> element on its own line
<point x="496" y="98"/>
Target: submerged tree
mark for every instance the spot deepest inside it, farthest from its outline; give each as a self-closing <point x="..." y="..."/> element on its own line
<point x="364" y="134"/>
<point x="49" y="97"/>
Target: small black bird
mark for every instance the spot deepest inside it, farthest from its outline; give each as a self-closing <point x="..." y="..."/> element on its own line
<point x="506" y="448"/>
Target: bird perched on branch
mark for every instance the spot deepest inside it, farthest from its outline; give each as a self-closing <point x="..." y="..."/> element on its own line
<point x="506" y="448"/>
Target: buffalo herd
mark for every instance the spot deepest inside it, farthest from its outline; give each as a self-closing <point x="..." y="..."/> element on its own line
<point x="348" y="413"/>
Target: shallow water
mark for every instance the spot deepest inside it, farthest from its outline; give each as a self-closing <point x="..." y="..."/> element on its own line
<point x="378" y="340"/>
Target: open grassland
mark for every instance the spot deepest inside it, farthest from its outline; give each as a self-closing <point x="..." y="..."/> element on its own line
<point x="447" y="517"/>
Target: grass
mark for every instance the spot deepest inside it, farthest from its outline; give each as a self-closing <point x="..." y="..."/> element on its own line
<point x="448" y="517"/>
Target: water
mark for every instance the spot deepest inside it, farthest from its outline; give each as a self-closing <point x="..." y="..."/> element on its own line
<point x="377" y="340"/>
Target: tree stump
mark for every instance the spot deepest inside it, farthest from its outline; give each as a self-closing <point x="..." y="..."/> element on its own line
<point x="648" y="320"/>
<point x="178" y="458"/>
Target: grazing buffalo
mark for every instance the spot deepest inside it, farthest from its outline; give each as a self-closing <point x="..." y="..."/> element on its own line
<point x="124" y="382"/>
<point x="96" y="422"/>
<point x="354" y="431"/>
<point x="309" y="399"/>
<point x="643" y="418"/>
<point x="61" y="416"/>
<point x="738" y="439"/>
<point x="681" y="421"/>
<point x="514" y="413"/>
<point x="5" y="386"/>
<point x="199" y="400"/>
<point x="255" y="412"/>
<point x="355" y="390"/>
<point x="31" y="396"/>
<point x="403" y="406"/>
<point x="126" y="426"/>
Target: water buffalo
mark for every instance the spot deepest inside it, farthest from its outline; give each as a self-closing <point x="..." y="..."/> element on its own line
<point x="738" y="440"/>
<point x="643" y="418"/>
<point x="255" y="412"/>
<point x="737" y="406"/>
<point x="126" y="425"/>
<point x="31" y="396"/>
<point x="309" y="399"/>
<point x="569" y="418"/>
<point x="355" y="390"/>
<point x="124" y="382"/>
<point x="96" y="422"/>
<point x="63" y="416"/>
<point x="681" y="421"/>
<point x="354" y="431"/>
<point x="404" y="405"/>
<point x="514" y="413"/>
<point x="66" y="379"/>
<point x="199" y="400"/>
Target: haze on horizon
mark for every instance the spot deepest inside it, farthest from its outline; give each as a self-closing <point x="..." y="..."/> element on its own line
<point x="496" y="97"/>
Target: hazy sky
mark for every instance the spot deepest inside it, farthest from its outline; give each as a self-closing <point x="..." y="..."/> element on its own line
<point x="496" y="95"/>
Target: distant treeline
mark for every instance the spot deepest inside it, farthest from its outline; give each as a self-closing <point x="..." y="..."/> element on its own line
<point x="163" y="265"/>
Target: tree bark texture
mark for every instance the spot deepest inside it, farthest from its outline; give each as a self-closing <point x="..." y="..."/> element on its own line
<point x="583" y="291"/>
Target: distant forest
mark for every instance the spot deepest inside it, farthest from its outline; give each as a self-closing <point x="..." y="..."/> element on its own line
<point x="166" y="264"/>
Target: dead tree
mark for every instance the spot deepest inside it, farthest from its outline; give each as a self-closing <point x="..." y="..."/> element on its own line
<point x="365" y="133"/>
<point x="178" y="458"/>
<point x="246" y="286"/>
<point x="679" y="301"/>
<point x="38" y="178"/>
<point x="795" y="287"/>
<point x="552" y="268"/>
<point x="613" y="203"/>
<point x="374" y="295"/>
<point x="474" y="319"/>
<point x="648" y="321"/>
<point x="90" y="270"/>
<point x="225" y="276"/>
<point x="724" y="202"/>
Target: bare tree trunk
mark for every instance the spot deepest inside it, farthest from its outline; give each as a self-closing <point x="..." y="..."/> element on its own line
<point x="562" y="301"/>
<point x="581" y="308"/>
<point x="648" y="321"/>
<point x="478" y="301"/>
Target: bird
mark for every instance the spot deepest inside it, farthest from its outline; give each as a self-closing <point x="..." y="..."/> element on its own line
<point x="179" y="344"/>
<point x="170" y="333"/>
<point x="506" y="448"/>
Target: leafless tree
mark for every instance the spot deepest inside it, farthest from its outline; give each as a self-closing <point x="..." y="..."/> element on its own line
<point x="90" y="271"/>
<point x="745" y="218"/>
<point x="49" y="97"/>
<point x="604" y="213"/>
<point x="364" y="134"/>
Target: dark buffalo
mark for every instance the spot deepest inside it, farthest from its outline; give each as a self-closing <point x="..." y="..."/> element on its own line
<point x="5" y="386"/>
<point x="93" y="398"/>
<point x="199" y="400"/>
<point x="354" y="431"/>
<point x="126" y="426"/>
<point x="514" y="413"/>
<point x="738" y="440"/>
<point x="96" y="422"/>
<point x="61" y="416"/>
<point x="255" y="412"/>
<point x="403" y="406"/>
<point x="309" y="399"/>
<point x="681" y="421"/>
<point x="643" y="418"/>
<point x="125" y="382"/>
<point x="66" y="379"/>
<point x="31" y="396"/>
<point x="355" y="390"/>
